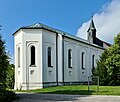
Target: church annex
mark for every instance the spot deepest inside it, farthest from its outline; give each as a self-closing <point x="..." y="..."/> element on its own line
<point x="45" y="56"/>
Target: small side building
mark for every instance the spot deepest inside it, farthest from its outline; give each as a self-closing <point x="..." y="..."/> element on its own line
<point x="45" y="56"/>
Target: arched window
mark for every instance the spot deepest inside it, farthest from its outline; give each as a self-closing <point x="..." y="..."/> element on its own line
<point x="70" y="58"/>
<point x="93" y="61"/>
<point x="32" y="55"/>
<point x="83" y="60"/>
<point x="18" y="56"/>
<point x="49" y="50"/>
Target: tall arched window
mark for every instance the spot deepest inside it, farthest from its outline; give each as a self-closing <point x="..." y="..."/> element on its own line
<point x="83" y="60"/>
<point x="70" y="58"/>
<point x="32" y="55"/>
<point x="93" y="61"/>
<point x="49" y="50"/>
<point x="18" y="56"/>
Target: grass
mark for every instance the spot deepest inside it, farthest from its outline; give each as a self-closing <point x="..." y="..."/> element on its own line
<point x="79" y="89"/>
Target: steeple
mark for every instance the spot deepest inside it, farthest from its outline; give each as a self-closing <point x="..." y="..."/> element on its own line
<point x="91" y="31"/>
<point x="91" y="26"/>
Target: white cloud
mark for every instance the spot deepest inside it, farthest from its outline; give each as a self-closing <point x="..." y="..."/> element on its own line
<point x="107" y="22"/>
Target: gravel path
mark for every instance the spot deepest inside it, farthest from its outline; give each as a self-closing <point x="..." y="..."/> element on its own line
<point x="32" y="97"/>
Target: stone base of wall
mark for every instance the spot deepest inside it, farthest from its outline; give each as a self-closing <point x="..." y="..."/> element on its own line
<point x="31" y="86"/>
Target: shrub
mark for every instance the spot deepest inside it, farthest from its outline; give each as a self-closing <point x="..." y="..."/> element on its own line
<point x="7" y="96"/>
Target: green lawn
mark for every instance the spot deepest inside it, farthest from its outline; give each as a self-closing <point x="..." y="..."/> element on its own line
<point x="79" y="89"/>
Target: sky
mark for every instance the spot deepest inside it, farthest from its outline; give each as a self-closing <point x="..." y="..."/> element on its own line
<point x="107" y="22"/>
<point x="72" y="16"/>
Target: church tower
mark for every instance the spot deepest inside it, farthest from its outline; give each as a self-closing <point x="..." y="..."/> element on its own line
<point x="91" y="32"/>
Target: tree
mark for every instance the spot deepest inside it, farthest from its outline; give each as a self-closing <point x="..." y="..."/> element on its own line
<point x="10" y="76"/>
<point x="101" y="69"/>
<point x="3" y="63"/>
<point x="108" y="67"/>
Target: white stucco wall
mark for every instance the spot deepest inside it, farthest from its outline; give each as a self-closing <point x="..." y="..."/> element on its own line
<point x="60" y="58"/>
<point x="18" y="70"/>
<point x="70" y="73"/>
<point x="31" y="76"/>
<point x="76" y="73"/>
<point x="49" y="40"/>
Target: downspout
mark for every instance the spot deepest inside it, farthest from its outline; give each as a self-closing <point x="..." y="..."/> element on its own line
<point x="27" y="67"/>
<point x="57" y="59"/>
<point x="63" y="58"/>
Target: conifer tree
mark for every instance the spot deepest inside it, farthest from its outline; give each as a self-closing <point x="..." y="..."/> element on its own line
<point x="3" y="63"/>
<point x="108" y="67"/>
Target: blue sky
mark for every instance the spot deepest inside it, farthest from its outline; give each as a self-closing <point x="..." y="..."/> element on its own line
<point x="66" y="15"/>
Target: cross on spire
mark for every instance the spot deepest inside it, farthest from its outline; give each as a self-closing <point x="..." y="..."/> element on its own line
<point x="0" y="27"/>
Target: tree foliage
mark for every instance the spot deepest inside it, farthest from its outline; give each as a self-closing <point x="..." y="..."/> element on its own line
<point x="108" y="67"/>
<point x="6" y="69"/>
<point x="10" y="76"/>
<point x="4" y="63"/>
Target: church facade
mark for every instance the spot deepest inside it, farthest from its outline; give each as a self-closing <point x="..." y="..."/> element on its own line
<point x="45" y="56"/>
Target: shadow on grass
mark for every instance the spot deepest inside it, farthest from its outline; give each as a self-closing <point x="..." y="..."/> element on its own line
<point x="54" y="96"/>
<point x="72" y="92"/>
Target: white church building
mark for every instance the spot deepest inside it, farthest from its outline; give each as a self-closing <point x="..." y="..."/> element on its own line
<point x="45" y="56"/>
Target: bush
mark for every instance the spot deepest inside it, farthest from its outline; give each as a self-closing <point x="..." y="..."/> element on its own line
<point x="7" y="96"/>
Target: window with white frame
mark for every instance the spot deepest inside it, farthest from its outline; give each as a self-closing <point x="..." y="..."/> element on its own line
<point x="83" y="60"/>
<point x="49" y="54"/>
<point x="32" y="50"/>
<point x="69" y="58"/>
<point x="93" y="61"/>
<point x="18" y="57"/>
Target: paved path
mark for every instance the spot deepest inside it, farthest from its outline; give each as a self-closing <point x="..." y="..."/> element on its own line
<point x="32" y="97"/>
